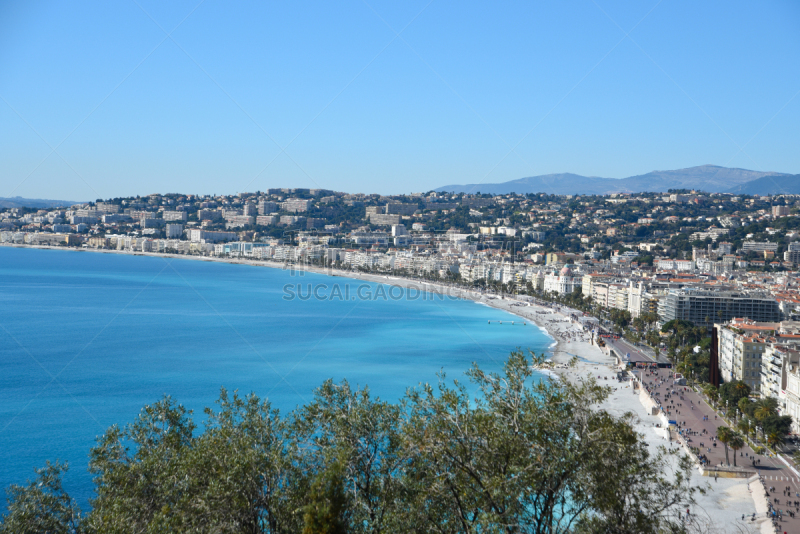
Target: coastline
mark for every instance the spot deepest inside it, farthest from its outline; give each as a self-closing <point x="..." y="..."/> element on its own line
<point x="723" y="501"/>
<point x="505" y="303"/>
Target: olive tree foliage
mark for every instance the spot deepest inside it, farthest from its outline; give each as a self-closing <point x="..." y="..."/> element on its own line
<point x="156" y="475"/>
<point x="510" y="454"/>
<point x="534" y="456"/>
<point x="42" y="506"/>
<point x="360" y="439"/>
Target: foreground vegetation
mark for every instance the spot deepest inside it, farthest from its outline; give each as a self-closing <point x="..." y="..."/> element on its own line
<point x="524" y="456"/>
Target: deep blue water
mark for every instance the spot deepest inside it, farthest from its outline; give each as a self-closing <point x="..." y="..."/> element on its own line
<point x="87" y="339"/>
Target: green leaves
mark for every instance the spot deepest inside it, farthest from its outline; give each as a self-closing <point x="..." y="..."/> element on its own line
<point x="42" y="506"/>
<point x="731" y="393"/>
<point x="515" y="453"/>
<point x="231" y="478"/>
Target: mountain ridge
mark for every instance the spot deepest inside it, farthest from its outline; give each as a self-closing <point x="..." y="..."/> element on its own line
<point x="20" y="202"/>
<point x="708" y="178"/>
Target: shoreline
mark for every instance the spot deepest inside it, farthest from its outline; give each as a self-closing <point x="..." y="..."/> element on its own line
<point x="566" y="341"/>
<point x="489" y="299"/>
<point x="570" y="340"/>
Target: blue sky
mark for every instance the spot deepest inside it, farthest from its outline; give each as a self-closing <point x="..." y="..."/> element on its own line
<point x="247" y="96"/>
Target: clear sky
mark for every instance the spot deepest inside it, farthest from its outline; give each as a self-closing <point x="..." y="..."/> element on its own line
<point x="104" y="99"/>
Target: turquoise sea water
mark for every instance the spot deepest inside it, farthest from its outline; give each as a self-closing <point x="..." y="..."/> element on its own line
<point x="87" y="339"/>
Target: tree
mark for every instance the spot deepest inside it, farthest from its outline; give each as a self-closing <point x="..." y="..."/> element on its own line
<point x="711" y="392"/>
<point x="42" y="506"/>
<point x="676" y="326"/>
<point x="731" y="392"/>
<point x="745" y="424"/>
<point x="744" y="405"/>
<point x="518" y="455"/>
<point x="361" y="440"/>
<point x="724" y="436"/>
<point x="474" y="470"/>
<point x="775" y="439"/>
<point x="238" y="476"/>
<point x="765" y="408"/>
<point x="735" y="442"/>
<point x="325" y="514"/>
<point x="650" y="318"/>
<point x="777" y="424"/>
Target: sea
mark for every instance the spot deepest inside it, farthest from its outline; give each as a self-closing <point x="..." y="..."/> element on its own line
<point x="87" y="339"/>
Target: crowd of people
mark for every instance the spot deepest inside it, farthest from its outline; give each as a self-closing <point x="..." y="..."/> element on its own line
<point x="673" y="400"/>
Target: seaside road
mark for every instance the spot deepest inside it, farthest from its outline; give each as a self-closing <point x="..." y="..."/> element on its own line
<point x="622" y="347"/>
<point x="697" y="425"/>
<point x="645" y="353"/>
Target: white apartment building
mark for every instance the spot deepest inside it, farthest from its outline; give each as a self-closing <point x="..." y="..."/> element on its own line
<point x="508" y="273"/>
<point x="675" y="265"/>
<point x="792" y="253"/>
<point x="562" y="283"/>
<point x="294" y="205"/>
<point x="635" y="292"/>
<point x="173" y="231"/>
<point x="588" y="282"/>
<point x="776" y="361"/>
<point x="731" y="352"/>
<point x="618" y="296"/>
<point x="741" y="347"/>
<point x="600" y="293"/>
<point x="792" y="396"/>
<point x="175" y="216"/>
<point x="759" y="246"/>
<point x="197" y="236"/>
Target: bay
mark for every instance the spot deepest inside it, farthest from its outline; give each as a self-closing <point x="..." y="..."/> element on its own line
<point x="87" y="339"/>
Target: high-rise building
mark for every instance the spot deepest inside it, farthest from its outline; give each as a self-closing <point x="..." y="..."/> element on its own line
<point x="151" y="223"/>
<point x="792" y="254"/>
<point x="294" y="205"/>
<point x="266" y="220"/>
<point x="173" y="230"/>
<point x="759" y="246"/>
<point x="209" y="215"/>
<point x="396" y="208"/>
<point x="380" y="219"/>
<point x="266" y="207"/>
<point x="238" y="221"/>
<point x="175" y="216"/>
<point x="250" y="210"/>
<point x="197" y="235"/>
<point x="704" y="307"/>
<point x="780" y="211"/>
<point x="398" y="230"/>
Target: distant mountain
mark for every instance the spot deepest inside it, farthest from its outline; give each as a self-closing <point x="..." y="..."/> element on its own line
<point x="788" y="184"/>
<point x="19" y="202"/>
<point x="709" y="178"/>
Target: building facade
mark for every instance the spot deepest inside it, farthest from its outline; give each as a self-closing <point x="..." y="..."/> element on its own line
<point x="703" y="307"/>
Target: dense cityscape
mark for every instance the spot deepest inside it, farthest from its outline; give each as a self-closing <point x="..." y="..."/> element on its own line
<point x="706" y="259"/>
<point x="703" y="284"/>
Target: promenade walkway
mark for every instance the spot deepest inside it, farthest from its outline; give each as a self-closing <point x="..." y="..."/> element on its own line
<point x="697" y="424"/>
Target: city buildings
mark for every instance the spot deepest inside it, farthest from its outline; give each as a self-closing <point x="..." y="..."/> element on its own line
<point x="295" y="205"/>
<point x="703" y="307"/>
<point x="562" y="283"/>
